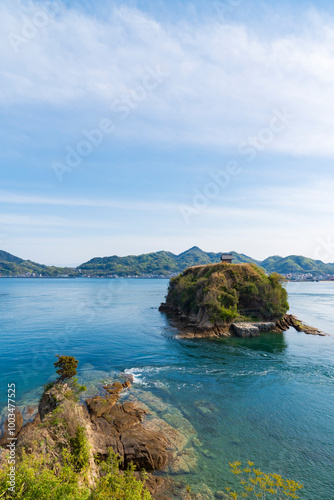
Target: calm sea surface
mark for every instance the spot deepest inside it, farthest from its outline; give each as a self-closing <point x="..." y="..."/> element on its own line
<point x="268" y="399"/>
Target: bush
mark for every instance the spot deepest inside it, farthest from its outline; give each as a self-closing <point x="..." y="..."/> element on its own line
<point x="36" y="481"/>
<point x="80" y="449"/>
<point x="120" y="486"/>
<point x="66" y="367"/>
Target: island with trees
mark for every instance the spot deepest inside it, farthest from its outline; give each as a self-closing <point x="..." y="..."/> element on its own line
<point x="224" y="299"/>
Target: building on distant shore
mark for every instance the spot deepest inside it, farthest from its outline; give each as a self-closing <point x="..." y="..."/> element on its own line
<point x="226" y="257"/>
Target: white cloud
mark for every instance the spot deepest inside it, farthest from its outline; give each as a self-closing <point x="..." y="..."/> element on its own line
<point x="224" y="79"/>
<point x="22" y="199"/>
<point x="27" y="222"/>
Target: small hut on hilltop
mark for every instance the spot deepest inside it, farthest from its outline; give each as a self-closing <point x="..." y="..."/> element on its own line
<point x="226" y="257"/>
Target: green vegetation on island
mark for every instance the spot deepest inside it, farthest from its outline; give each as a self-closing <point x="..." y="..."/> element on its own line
<point x="214" y="296"/>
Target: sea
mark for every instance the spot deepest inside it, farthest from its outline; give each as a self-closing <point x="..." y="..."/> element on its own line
<point x="268" y="399"/>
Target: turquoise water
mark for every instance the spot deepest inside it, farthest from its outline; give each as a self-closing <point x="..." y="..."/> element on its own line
<point x="268" y="399"/>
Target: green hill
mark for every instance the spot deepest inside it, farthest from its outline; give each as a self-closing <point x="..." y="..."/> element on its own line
<point x="8" y="257"/>
<point x="10" y="265"/>
<point x="166" y="263"/>
<point x="297" y="264"/>
<point x="160" y="263"/>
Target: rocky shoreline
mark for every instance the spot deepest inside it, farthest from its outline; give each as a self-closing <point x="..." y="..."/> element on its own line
<point x="146" y="433"/>
<point x="199" y="326"/>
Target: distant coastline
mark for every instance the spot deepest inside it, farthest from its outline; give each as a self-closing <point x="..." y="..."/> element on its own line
<point x="163" y="265"/>
<point x="143" y="277"/>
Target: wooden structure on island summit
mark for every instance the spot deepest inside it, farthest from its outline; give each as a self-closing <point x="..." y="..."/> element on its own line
<point x="226" y="257"/>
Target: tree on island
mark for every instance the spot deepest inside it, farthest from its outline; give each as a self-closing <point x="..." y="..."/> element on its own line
<point x="66" y="367"/>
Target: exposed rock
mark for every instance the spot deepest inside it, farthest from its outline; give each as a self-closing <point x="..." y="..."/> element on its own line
<point x="51" y="431"/>
<point x="252" y="329"/>
<point x="146" y="449"/>
<point x="11" y="432"/>
<point x="119" y="426"/>
<point x="175" y="439"/>
<point x="149" y="443"/>
<point x="98" y="405"/>
<point x="118" y="385"/>
<point x="245" y="330"/>
<point x="291" y="321"/>
<point x="124" y="418"/>
<point x="52" y="398"/>
<point x="29" y="412"/>
<point x="155" y="485"/>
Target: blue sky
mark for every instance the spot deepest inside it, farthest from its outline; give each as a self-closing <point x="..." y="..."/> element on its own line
<point x="129" y="127"/>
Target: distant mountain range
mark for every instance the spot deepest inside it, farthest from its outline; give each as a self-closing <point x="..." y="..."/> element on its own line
<point x="14" y="266"/>
<point x="158" y="263"/>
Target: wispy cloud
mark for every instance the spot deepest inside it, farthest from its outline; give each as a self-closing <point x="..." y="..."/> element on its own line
<point x="225" y="79"/>
<point x="22" y="199"/>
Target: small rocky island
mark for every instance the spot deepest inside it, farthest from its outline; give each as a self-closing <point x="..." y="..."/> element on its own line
<point x="222" y="300"/>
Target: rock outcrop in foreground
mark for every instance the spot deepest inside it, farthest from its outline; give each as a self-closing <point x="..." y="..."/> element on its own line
<point x="223" y="299"/>
<point x="107" y="425"/>
<point x="119" y="426"/>
<point x="141" y="428"/>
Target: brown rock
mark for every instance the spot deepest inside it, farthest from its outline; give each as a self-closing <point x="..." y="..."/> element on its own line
<point x="104" y="437"/>
<point x="123" y="417"/>
<point x="112" y="398"/>
<point x="52" y="398"/>
<point x="154" y="484"/>
<point x="145" y="449"/>
<point x="29" y="412"/>
<point x="117" y="385"/>
<point x="37" y="420"/>
<point x="289" y="320"/>
<point x="7" y="432"/>
<point x="127" y="384"/>
<point x="114" y="391"/>
<point x="98" y="405"/>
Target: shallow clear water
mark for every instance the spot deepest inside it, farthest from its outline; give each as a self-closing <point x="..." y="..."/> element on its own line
<point x="267" y="399"/>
